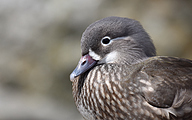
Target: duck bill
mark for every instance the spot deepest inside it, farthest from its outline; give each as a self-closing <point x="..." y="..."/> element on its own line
<point x="85" y="63"/>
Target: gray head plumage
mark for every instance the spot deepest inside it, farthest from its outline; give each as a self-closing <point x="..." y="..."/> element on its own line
<point x="116" y="39"/>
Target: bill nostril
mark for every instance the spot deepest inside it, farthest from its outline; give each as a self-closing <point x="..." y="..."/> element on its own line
<point x="83" y="63"/>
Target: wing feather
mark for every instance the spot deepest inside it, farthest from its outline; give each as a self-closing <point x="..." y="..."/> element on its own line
<point x="166" y="84"/>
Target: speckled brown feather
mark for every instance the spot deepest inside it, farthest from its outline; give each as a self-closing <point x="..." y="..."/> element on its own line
<point x="117" y="91"/>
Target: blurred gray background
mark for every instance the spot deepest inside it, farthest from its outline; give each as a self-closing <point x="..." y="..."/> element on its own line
<point x="40" y="46"/>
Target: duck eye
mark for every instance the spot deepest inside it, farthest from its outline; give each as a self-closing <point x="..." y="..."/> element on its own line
<point x="106" y="40"/>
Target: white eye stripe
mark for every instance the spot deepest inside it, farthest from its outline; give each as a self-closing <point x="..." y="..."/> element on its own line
<point x="94" y="55"/>
<point x="105" y="40"/>
<point x="111" y="57"/>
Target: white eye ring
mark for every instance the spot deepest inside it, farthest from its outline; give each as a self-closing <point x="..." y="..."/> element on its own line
<point x="105" y="40"/>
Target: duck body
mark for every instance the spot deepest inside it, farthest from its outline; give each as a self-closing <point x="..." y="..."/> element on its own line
<point x="119" y="76"/>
